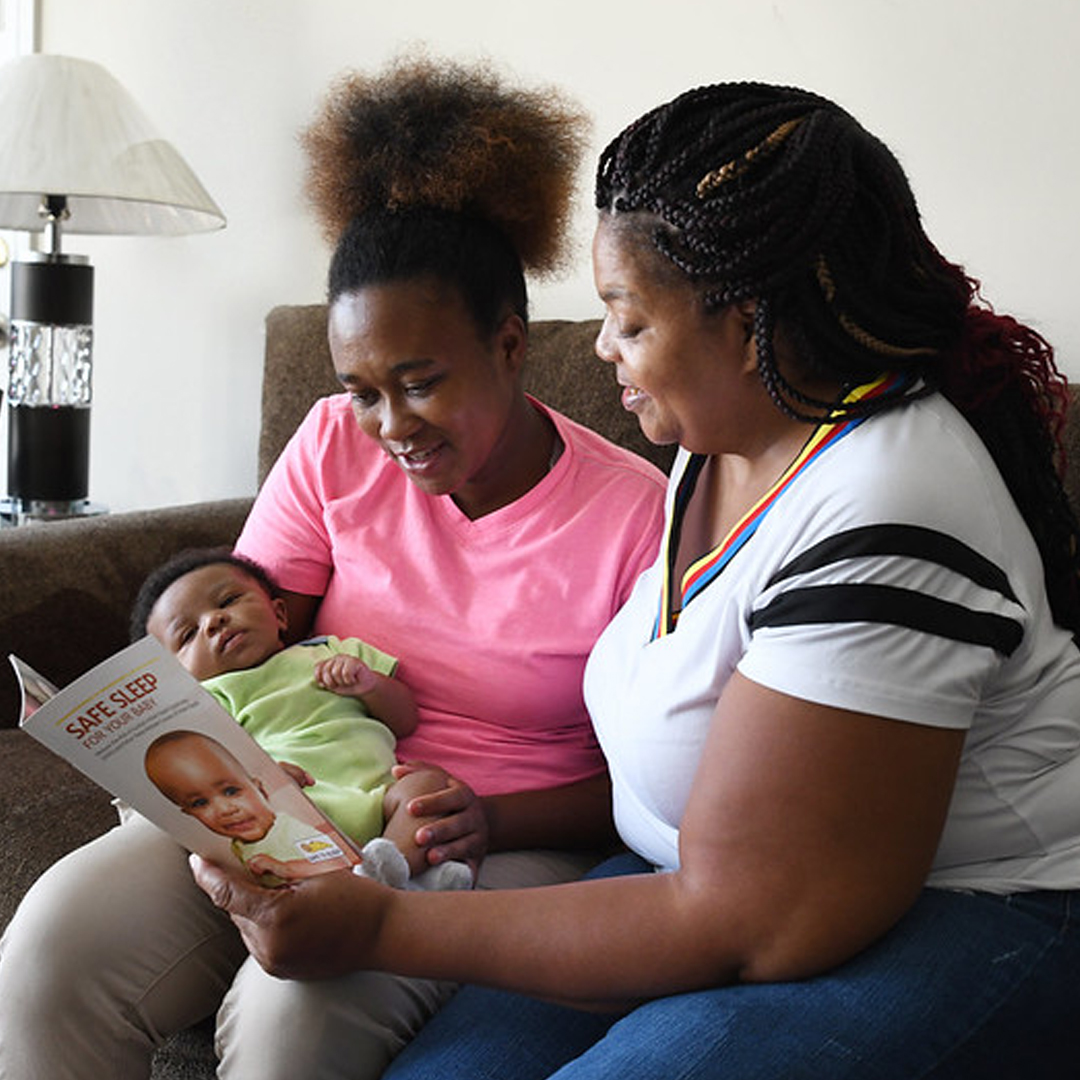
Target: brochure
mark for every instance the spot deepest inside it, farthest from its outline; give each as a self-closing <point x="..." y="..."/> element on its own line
<point x="144" y="729"/>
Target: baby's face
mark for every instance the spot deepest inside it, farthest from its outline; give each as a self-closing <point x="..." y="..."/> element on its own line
<point x="216" y="619"/>
<point x="209" y="784"/>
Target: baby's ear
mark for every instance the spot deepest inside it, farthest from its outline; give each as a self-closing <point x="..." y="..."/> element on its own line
<point x="282" y="616"/>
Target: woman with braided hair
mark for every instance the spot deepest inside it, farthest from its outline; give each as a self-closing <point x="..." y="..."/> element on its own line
<point x="480" y="538"/>
<point x="841" y="711"/>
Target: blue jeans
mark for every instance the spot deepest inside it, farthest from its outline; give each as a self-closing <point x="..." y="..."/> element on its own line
<point x="966" y="987"/>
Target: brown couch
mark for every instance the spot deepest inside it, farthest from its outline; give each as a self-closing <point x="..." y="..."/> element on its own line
<point x="66" y="588"/>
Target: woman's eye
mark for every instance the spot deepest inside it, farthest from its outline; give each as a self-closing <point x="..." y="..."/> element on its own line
<point x="419" y="389"/>
<point x="363" y="399"/>
<point x="626" y="333"/>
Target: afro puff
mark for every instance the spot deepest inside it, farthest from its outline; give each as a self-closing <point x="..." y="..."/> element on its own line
<point x="446" y="136"/>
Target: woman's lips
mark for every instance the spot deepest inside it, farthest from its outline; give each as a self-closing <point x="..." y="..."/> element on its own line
<point x="632" y="398"/>
<point x="419" y="461"/>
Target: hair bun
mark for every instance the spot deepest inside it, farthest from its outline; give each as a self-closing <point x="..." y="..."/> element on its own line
<point x="444" y="135"/>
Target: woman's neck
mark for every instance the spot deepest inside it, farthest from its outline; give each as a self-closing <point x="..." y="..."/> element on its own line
<point x="529" y="448"/>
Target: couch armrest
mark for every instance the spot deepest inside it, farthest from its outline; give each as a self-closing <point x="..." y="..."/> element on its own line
<point x="66" y="587"/>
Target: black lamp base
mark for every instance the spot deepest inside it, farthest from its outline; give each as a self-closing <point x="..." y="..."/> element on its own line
<point x="49" y="388"/>
<point x="48" y="453"/>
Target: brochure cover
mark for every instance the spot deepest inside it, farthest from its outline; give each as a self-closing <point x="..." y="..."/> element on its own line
<point x="144" y="729"/>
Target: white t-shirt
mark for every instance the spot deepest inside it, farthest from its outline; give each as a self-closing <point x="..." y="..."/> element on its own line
<point x="491" y="620"/>
<point x="904" y="527"/>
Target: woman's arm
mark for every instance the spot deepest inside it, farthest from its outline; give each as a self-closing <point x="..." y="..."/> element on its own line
<point x="300" y="611"/>
<point x="809" y="832"/>
<point x="574" y="816"/>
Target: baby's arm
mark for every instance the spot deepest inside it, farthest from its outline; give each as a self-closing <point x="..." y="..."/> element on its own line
<point x="386" y="698"/>
<point x="300" y="777"/>
<point x="290" y="870"/>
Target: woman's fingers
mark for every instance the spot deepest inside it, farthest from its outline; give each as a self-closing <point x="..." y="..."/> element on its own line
<point x="313" y="929"/>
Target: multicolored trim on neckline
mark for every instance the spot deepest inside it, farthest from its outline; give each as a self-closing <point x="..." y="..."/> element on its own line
<point x="702" y="572"/>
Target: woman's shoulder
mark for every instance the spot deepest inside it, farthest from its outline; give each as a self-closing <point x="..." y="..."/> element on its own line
<point x="921" y="463"/>
<point x="328" y="416"/>
<point x="328" y="440"/>
<point x="926" y="440"/>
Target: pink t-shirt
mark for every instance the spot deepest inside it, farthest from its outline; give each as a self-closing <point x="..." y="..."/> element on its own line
<point x="491" y="620"/>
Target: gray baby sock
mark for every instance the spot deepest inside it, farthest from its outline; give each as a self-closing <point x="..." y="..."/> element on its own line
<point x="383" y="862"/>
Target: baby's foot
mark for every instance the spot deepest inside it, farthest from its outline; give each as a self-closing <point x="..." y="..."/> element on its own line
<point x="445" y="876"/>
<point x="381" y="861"/>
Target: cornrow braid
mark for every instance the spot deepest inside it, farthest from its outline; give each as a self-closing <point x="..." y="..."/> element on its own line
<point x="729" y="170"/>
<point x="778" y="388"/>
<point x="783" y="393"/>
<point x="863" y="337"/>
<point x="777" y="195"/>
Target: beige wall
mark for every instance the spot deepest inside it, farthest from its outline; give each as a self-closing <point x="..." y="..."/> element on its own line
<point x="978" y="99"/>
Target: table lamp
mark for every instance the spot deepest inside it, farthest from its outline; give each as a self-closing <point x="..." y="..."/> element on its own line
<point x="77" y="155"/>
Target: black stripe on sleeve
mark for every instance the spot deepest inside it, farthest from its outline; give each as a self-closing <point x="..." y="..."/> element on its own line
<point x="845" y="603"/>
<point x="914" y="541"/>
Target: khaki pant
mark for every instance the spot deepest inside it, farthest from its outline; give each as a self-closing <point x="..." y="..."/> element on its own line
<point x="115" y="948"/>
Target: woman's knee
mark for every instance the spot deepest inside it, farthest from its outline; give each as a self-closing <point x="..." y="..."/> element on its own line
<point x="338" y="1029"/>
<point x="123" y="907"/>
<point x="68" y="919"/>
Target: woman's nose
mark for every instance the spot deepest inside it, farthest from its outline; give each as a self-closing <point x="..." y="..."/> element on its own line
<point x="605" y="344"/>
<point x="396" y="422"/>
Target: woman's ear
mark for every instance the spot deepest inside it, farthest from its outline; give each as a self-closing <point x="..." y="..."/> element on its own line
<point x="747" y="310"/>
<point x="511" y="340"/>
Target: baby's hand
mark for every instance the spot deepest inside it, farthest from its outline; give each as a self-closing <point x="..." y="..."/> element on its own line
<point x="345" y="675"/>
<point x="298" y="775"/>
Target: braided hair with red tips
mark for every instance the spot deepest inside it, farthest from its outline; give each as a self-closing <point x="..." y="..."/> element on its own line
<point x="777" y="195"/>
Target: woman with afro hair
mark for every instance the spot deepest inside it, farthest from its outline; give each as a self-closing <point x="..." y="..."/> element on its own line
<point x="842" y="709"/>
<point x="474" y="534"/>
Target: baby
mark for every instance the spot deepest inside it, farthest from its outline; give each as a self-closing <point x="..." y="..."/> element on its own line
<point x="328" y="709"/>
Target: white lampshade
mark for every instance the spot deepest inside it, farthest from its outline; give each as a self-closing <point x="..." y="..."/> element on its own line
<point x="68" y="128"/>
